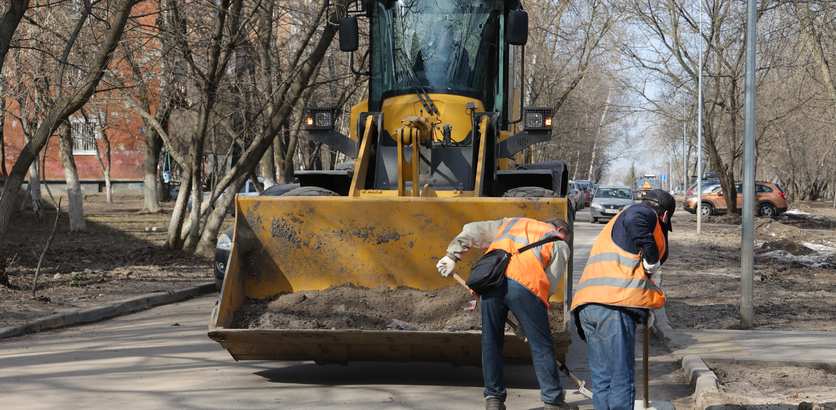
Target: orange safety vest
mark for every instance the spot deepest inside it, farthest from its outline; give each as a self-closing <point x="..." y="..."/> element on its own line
<point x="615" y="277"/>
<point x="527" y="268"/>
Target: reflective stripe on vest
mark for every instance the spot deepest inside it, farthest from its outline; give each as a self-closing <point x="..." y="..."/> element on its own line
<point x="613" y="276"/>
<point x="527" y="268"/>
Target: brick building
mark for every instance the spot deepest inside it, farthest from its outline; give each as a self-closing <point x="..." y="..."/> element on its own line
<point x="122" y="128"/>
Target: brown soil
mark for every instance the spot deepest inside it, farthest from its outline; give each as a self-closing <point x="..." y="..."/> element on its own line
<point x="352" y="307"/>
<point x="702" y="276"/>
<point x="765" y="386"/>
<point x="120" y="255"/>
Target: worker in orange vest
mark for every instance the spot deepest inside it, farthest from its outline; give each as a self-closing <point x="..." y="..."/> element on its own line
<point x="530" y="278"/>
<point x="616" y="292"/>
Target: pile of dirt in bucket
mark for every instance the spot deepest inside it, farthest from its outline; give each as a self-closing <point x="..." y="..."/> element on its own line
<point x="354" y="307"/>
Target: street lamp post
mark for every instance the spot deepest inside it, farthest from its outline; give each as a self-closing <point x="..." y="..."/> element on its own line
<point x="747" y="236"/>
<point x="699" y="130"/>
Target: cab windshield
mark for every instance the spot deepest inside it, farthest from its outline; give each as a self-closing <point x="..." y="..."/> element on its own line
<point x="446" y="46"/>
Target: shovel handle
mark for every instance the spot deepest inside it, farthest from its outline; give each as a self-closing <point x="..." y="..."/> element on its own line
<point x="460" y="280"/>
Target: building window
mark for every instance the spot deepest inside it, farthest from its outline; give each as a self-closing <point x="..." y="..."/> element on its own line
<point x="85" y="134"/>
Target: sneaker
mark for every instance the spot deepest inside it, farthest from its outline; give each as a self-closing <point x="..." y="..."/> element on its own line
<point x="492" y="403"/>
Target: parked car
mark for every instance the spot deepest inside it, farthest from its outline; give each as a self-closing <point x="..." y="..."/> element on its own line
<point x="575" y="196"/>
<point x="587" y="189"/>
<point x="609" y="201"/>
<point x="224" y="244"/>
<point x="771" y="200"/>
<point x="706" y="183"/>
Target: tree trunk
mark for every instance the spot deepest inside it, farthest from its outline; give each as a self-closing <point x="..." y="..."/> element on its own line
<point x="598" y="133"/>
<point x="577" y="164"/>
<point x="213" y="224"/>
<point x="150" y="182"/>
<point x="197" y="200"/>
<point x="833" y="189"/>
<point x="8" y="25"/>
<point x="279" y="148"/>
<point x="105" y="165"/>
<point x="267" y="168"/>
<point x="35" y="184"/>
<point x="3" y="171"/>
<point x="179" y="212"/>
<point x="74" y="194"/>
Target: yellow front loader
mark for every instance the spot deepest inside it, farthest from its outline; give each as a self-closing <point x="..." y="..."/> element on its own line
<point x="434" y="147"/>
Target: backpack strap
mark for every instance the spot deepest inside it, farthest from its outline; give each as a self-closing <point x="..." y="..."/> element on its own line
<point x="538" y="243"/>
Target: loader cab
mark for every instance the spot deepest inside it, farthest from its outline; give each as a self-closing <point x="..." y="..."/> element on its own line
<point x="452" y="47"/>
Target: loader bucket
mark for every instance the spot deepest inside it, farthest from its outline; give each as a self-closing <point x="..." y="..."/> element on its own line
<point x="290" y="244"/>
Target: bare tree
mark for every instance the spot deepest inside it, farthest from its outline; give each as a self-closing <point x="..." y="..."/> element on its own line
<point x="8" y="26"/>
<point x="105" y="161"/>
<point x="74" y="193"/>
<point x="64" y="106"/>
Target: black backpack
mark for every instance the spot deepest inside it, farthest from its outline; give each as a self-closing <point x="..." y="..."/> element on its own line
<point x="488" y="272"/>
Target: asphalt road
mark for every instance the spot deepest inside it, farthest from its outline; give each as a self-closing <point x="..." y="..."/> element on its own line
<point x="162" y="358"/>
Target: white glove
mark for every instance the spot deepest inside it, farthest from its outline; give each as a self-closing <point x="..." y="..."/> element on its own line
<point x="445" y="266"/>
<point x="651" y="269"/>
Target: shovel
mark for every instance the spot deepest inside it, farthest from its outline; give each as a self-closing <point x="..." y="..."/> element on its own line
<point x="515" y="327"/>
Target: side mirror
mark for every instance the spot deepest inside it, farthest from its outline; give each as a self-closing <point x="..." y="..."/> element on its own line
<point x="517" y="27"/>
<point x="349" y="34"/>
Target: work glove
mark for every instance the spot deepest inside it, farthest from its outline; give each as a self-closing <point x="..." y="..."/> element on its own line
<point x="651" y="269"/>
<point x="445" y="266"/>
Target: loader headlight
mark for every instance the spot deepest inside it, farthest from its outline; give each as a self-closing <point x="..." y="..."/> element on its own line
<point x="224" y="242"/>
<point x="538" y="119"/>
<point x="319" y="118"/>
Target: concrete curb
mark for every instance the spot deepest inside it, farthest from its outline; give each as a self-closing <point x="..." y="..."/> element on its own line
<point x="702" y="379"/>
<point x="108" y="311"/>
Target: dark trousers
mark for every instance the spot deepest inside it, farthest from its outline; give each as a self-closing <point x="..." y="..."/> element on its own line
<point x="533" y="317"/>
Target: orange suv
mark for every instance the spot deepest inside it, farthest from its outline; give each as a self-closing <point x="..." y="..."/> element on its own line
<point x="772" y="201"/>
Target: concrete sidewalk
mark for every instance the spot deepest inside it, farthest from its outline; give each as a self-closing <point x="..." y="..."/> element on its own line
<point x="756" y="345"/>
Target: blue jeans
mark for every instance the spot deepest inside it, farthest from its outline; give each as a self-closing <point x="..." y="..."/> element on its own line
<point x="611" y="341"/>
<point x="534" y="320"/>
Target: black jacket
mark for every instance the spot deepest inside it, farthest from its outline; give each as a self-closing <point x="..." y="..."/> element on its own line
<point x="633" y="232"/>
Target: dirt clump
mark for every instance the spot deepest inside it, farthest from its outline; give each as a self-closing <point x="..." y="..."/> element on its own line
<point x="763" y="385"/>
<point x="769" y="229"/>
<point x="786" y="245"/>
<point x="728" y="219"/>
<point x="353" y="307"/>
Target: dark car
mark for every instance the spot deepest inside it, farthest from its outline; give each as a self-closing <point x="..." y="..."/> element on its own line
<point x="224" y="244"/>
<point x="587" y="189"/>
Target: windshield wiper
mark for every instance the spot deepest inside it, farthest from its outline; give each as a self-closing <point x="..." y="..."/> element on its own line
<point x="422" y="94"/>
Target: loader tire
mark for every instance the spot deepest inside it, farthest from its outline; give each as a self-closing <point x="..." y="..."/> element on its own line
<point x="528" y="192"/>
<point x="310" y="191"/>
